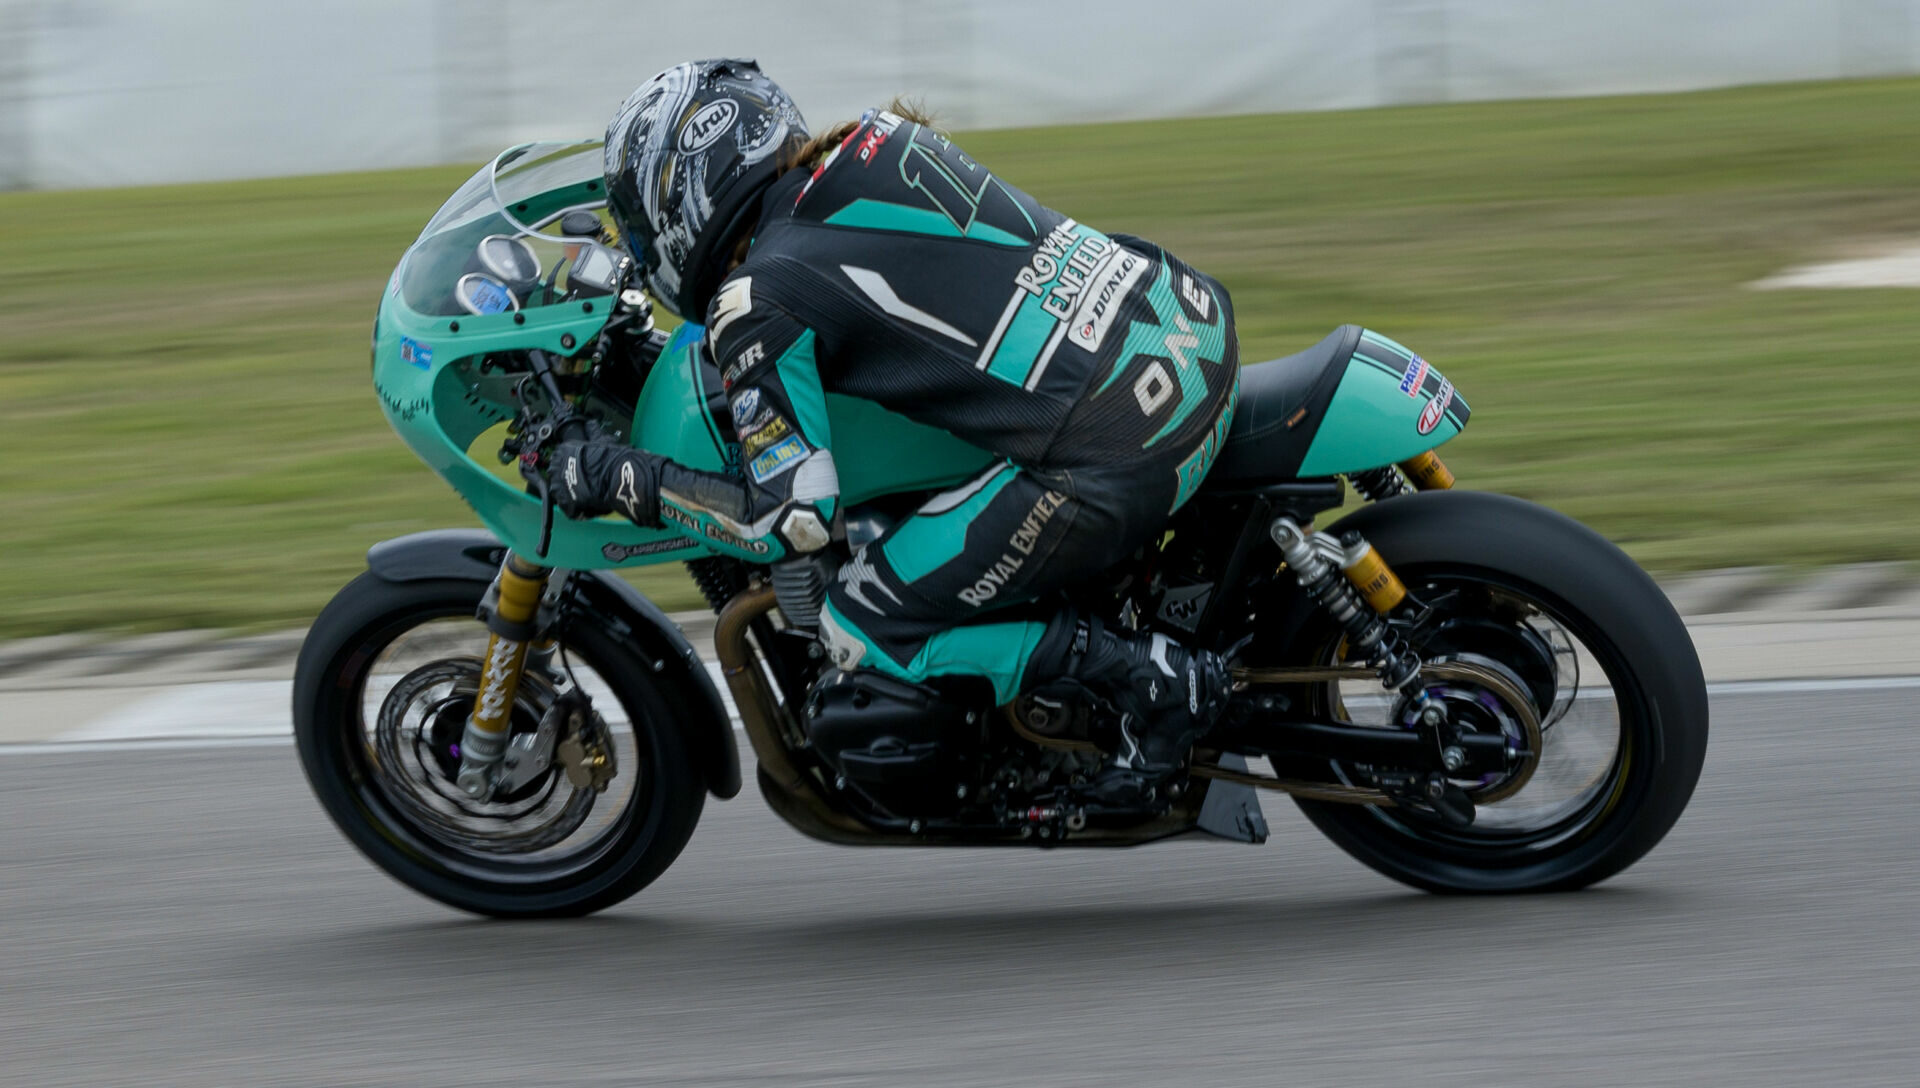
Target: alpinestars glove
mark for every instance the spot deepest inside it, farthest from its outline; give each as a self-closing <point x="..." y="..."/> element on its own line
<point x="593" y="478"/>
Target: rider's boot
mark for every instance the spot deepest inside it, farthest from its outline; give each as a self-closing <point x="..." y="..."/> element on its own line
<point x="1167" y="696"/>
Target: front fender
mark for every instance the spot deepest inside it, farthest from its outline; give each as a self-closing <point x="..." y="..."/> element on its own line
<point x="475" y="554"/>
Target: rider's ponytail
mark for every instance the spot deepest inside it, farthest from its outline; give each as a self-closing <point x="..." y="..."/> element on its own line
<point x="815" y="150"/>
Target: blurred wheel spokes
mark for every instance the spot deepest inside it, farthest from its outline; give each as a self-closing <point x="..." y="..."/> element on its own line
<point x="1581" y="738"/>
<point x="414" y="706"/>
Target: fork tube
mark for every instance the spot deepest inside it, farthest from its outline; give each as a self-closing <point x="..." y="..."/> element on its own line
<point x="511" y="627"/>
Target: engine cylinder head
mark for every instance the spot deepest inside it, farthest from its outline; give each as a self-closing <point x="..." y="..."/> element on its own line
<point x="800" y="585"/>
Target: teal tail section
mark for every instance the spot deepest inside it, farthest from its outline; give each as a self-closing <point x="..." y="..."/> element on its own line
<point x="1390" y="405"/>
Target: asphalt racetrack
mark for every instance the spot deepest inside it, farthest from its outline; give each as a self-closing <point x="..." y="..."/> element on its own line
<point x="188" y="917"/>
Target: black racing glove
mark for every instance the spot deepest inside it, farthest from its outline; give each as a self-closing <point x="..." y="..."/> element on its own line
<point x="593" y="478"/>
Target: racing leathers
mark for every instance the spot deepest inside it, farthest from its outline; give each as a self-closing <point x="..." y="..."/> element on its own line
<point x="1100" y="370"/>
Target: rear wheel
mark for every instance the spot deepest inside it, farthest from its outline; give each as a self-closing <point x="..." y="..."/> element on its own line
<point x="1588" y="638"/>
<point x="383" y="688"/>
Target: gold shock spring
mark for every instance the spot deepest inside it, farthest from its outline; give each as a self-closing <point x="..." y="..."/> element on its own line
<point x="1376" y="581"/>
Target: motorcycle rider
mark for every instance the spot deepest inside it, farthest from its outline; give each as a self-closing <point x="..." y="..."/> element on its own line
<point x="879" y="261"/>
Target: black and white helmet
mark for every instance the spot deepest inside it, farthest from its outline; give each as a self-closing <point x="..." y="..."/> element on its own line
<point x="687" y="158"/>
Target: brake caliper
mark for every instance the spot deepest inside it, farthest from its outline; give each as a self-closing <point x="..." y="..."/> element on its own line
<point x="586" y="753"/>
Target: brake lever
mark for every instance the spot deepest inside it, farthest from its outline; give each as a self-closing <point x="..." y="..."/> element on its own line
<point x="546" y="517"/>
<point x="564" y="423"/>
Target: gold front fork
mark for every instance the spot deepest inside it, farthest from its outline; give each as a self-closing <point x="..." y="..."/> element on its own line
<point x="511" y="627"/>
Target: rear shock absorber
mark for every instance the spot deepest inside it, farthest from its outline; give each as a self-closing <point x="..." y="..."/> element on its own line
<point x="1379" y="484"/>
<point x="1329" y="572"/>
<point x="1423" y="472"/>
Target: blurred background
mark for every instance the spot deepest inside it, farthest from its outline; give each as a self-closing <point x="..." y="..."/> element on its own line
<point x="1668" y="250"/>
<point x="1568" y="207"/>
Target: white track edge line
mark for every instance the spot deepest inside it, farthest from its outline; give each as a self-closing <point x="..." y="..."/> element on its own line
<point x="1725" y="687"/>
<point x="162" y="744"/>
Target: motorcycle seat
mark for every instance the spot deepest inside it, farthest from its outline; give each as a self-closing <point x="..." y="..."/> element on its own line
<point x="1281" y="402"/>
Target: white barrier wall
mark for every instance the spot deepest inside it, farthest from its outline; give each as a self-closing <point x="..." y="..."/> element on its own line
<point x="121" y="92"/>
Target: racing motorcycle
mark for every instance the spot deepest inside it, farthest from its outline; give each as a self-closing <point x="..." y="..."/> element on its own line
<point x="1464" y="691"/>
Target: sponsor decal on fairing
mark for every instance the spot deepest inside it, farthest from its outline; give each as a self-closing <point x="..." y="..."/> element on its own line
<point x="1416" y="374"/>
<point x="1436" y="408"/>
<point x="414" y="352"/>
<point x="618" y="552"/>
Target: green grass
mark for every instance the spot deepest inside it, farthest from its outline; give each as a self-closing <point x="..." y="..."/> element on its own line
<point x="191" y="437"/>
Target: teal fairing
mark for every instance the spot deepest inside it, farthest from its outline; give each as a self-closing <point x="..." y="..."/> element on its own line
<point x="1390" y="405"/>
<point x="427" y="350"/>
<point x="426" y="363"/>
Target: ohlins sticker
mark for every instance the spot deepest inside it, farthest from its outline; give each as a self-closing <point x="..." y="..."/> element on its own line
<point x="1436" y="408"/>
<point x="618" y="552"/>
<point x="1019" y="547"/>
<point x="770" y="432"/>
<point x="1416" y="373"/>
<point x="781" y="457"/>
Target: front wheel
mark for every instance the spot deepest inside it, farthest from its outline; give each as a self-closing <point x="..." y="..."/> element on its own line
<point x="1598" y="648"/>
<point x="383" y="688"/>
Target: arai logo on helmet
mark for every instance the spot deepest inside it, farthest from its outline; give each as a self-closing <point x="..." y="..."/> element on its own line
<point x="708" y="125"/>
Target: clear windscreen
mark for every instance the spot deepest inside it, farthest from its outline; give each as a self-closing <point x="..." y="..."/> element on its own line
<point x="525" y="230"/>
